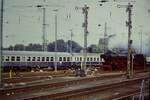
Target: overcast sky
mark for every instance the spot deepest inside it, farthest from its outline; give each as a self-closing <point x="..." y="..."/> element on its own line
<point x="23" y="23"/>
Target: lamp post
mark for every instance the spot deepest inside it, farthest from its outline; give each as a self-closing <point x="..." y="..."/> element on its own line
<point x="1" y="40"/>
<point x="71" y="35"/>
<point x="55" y="64"/>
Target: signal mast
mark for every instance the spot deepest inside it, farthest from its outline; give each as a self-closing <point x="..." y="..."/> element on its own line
<point x="129" y="25"/>
<point x="85" y="26"/>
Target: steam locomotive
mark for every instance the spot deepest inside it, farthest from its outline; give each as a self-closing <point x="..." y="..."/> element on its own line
<point x="118" y="61"/>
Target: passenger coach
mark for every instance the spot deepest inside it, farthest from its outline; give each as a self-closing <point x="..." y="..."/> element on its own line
<point x="36" y="59"/>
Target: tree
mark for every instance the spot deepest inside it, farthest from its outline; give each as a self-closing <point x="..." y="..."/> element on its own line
<point x="37" y="47"/>
<point x="75" y="46"/>
<point x="93" y="49"/>
<point x="19" y="47"/>
<point x="61" y="46"/>
<point x="10" y="47"/>
<point x="33" y="47"/>
<point x="51" y="47"/>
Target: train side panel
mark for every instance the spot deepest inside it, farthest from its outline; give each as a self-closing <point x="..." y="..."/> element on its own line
<point x="30" y="60"/>
<point x="119" y="62"/>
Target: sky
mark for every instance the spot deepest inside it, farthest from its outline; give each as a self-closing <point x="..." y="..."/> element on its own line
<point x="23" y="21"/>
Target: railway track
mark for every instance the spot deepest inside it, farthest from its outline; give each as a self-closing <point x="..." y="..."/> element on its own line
<point x="79" y="92"/>
<point x="53" y="83"/>
<point x="135" y="93"/>
<point x="72" y="89"/>
<point x="33" y="76"/>
<point x="36" y="76"/>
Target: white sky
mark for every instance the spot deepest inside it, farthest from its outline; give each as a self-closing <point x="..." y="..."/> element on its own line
<point x="23" y="24"/>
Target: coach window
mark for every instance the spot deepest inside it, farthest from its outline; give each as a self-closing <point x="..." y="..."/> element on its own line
<point x="38" y="58"/>
<point x="47" y="58"/>
<point x="18" y="58"/>
<point x="33" y="59"/>
<point x="7" y="58"/>
<point x="77" y="58"/>
<point x="94" y="59"/>
<point x="60" y="58"/>
<point x="12" y="58"/>
<point x="68" y="58"/>
<point x="97" y="59"/>
<point x="29" y="59"/>
<point x="88" y="59"/>
<point x="43" y="58"/>
<point x="64" y="58"/>
<point x="52" y="58"/>
<point x="80" y="58"/>
<point x="91" y="59"/>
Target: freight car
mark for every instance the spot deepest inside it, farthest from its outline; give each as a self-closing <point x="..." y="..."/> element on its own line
<point x="35" y="59"/>
<point x="118" y="61"/>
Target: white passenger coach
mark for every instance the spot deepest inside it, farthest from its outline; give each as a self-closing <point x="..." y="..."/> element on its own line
<point x="33" y="59"/>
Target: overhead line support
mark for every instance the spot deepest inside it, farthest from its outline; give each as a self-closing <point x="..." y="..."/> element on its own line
<point x="129" y="25"/>
<point x="85" y="25"/>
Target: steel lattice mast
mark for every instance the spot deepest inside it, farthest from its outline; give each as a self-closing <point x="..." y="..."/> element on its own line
<point x="85" y="25"/>
<point x="129" y="24"/>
